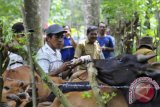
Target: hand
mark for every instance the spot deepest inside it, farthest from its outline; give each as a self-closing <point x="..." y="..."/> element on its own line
<point x="103" y="48"/>
<point x="65" y="66"/>
<point x="68" y="33"/>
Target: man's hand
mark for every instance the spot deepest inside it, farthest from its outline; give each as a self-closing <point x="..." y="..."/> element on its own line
<point x="65" y="66"/>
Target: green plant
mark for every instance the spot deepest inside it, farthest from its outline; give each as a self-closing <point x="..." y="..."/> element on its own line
<point x="108" y="96"/>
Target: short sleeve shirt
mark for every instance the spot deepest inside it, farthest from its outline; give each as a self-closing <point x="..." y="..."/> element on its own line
<point x="84" y="48"/>
<point x="105" y="42"/>
<point x="68" y="50"/>
<point x="15" y="60"/>
<point x="48" y="59"/>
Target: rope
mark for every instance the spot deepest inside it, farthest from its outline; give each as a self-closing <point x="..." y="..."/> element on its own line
<point x="74" y="85"/>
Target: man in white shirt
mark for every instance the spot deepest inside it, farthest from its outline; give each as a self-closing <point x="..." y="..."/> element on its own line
<point x="49" y="56"/>
<point x="16" y="60"/>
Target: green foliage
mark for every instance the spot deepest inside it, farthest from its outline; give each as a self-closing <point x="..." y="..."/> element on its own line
<point x="6" y="30"/>
<point x="124" y="10"/>
<point x="86" y="94"/>
<point x="66" y="12"/>
<point x="10" y="13"/>
<point x="118" y="9"/>
<point x="10" y="9"/>
<point x="58" y="13"/>
<point x="106" y="97"/>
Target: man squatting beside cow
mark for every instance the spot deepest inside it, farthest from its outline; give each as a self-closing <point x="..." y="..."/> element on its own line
<point x="16" y="60"/>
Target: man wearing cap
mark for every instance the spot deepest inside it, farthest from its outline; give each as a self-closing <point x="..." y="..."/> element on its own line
<point x="16" y="60"/>
<point x="49" y="56"/>
<point x="146" y="47"/>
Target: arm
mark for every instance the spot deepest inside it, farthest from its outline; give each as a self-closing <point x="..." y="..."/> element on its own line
<point x="107" y="49"/>
<point x="63" y="69"/>
<point x="78" y="51"/>
<point x="73" y="42"/>
<point x="110" y="46"/>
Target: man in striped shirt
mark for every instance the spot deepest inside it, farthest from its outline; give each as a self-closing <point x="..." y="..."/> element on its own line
<point x="49" y="56"/>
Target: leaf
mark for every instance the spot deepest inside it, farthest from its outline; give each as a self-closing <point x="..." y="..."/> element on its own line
<point x="86" y="94"/>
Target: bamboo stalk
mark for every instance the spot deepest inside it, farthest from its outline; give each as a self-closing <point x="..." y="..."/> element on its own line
<point x="51" y="86"/>
<point x="92" y="72"/>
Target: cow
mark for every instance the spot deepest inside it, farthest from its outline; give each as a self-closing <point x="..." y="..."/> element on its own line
<point x="15" y="81"/>
<point x="142" y="78"/>
<point x="123" y="71"/>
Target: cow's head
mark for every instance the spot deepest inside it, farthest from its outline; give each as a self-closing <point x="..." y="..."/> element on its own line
<point x="12" y="87"/>
<point x="122" y="70"/>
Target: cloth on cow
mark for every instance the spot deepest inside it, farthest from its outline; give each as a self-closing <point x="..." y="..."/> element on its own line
<point x="15" y="61"/>
<point x="72" y="86"/>
<point x="48" y="59"/>
<point x="84" y="48"/>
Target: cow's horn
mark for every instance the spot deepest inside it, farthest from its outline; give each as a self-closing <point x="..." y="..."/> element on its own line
<point x="144" y="58"/>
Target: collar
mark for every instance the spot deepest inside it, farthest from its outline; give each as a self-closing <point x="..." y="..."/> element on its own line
<point x="50" y="49"/>
<point x="87" y="41"/>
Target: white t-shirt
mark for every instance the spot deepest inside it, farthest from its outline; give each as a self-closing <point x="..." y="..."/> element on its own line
<point x="15" y="60"/>
<point x="48" y="59"/>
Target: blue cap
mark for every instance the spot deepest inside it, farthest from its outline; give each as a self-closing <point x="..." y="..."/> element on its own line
<point x="54" y="29"/>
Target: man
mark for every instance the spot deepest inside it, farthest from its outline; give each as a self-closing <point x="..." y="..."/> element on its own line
<point x="105" y="41"/>
<point x="146" y="47"/>
<point x="69" y="45"/>
<point x="108" y="34"/>
<point x="15" y="59"/>
<point x="49" y="56"/>
<point x="89" y="46"/>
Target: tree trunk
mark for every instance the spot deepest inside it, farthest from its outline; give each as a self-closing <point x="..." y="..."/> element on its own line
<point x="33" y="22"/>
<point x="4" y="59"/>
<point x="158" y="31"/>
<point x="91" y="12"/>
<point x="44" y="9"/>
<point x="158" y="23"/>
<point x="1" y="61"/>
<point x="33" y="28"/>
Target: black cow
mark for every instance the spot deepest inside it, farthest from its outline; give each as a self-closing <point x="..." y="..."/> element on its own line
<point x="130" y="70"/>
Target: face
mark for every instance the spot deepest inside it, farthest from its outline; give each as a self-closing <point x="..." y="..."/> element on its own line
<point x="21" y="39"/>
<point x="56" y="41"/>
<point x="102" y="28"/>
<point x="67" y="29"/>
<point x="92" y="36"/>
